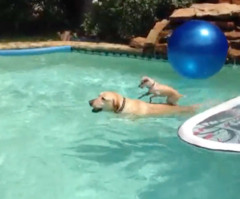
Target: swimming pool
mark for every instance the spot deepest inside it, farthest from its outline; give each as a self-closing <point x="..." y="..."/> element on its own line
<point x="53" y="146"/>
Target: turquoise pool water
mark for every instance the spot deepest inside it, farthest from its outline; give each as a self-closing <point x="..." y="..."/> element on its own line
<point x="53" y="146"/>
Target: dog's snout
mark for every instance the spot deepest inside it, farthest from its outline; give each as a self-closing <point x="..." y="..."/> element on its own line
<point x="91" y="102"/>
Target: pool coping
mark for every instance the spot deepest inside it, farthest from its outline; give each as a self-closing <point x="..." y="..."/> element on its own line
<point x="76" y="45"/>
<point x="89" y="47"/>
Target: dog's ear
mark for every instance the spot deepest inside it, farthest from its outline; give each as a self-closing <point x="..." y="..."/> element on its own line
<point x="116" y="105"/>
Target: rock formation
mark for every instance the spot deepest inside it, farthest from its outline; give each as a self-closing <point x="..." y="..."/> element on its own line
<point x="224" y="15"/>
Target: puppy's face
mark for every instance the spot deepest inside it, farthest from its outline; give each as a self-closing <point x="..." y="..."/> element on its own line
<point x="146" y="82"/>
<point x="108" y="101"/>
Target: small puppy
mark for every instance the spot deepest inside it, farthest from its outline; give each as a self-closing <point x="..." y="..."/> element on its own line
<point x="113" y="102"/>
<point x="161" y="90"/>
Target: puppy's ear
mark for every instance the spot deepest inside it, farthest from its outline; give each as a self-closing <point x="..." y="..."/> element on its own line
<point x="116" y="105"/>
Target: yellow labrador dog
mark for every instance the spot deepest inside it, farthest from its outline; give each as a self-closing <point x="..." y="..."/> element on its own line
<point x="155" y="89"/>
<point x="111" y="101"/>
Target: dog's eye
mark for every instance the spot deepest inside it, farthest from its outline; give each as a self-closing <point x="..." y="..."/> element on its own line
<point x="103" y="99"/>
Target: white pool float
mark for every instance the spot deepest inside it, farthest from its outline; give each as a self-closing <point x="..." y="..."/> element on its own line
<point x="217" y="128"/>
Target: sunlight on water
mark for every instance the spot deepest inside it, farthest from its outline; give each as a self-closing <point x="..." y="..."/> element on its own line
<point x="53" y="146"/>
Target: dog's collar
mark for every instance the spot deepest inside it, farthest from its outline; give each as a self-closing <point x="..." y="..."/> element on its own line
<point x="122" y="107"/>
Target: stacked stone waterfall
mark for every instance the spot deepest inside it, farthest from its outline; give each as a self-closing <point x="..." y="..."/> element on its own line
<point x="225" y="15"/>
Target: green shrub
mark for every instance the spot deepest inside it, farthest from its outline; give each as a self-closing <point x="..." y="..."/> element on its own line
<point x="30" y="15"/>
<point x="117" y="19"/>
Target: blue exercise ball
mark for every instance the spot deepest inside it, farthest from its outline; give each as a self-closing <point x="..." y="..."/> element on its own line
<point x="197" y="49"/>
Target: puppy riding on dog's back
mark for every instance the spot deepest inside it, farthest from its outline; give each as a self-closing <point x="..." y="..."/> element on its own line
<point x="156" y="89"/>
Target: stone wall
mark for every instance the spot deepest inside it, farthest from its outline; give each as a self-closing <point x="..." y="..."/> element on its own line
<point x="223" y="1"/>
<point x="225" y="15"/>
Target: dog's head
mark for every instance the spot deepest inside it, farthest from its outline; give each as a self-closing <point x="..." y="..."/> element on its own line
<point x="146" y="82"/>
<point x="108" y="101"/>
